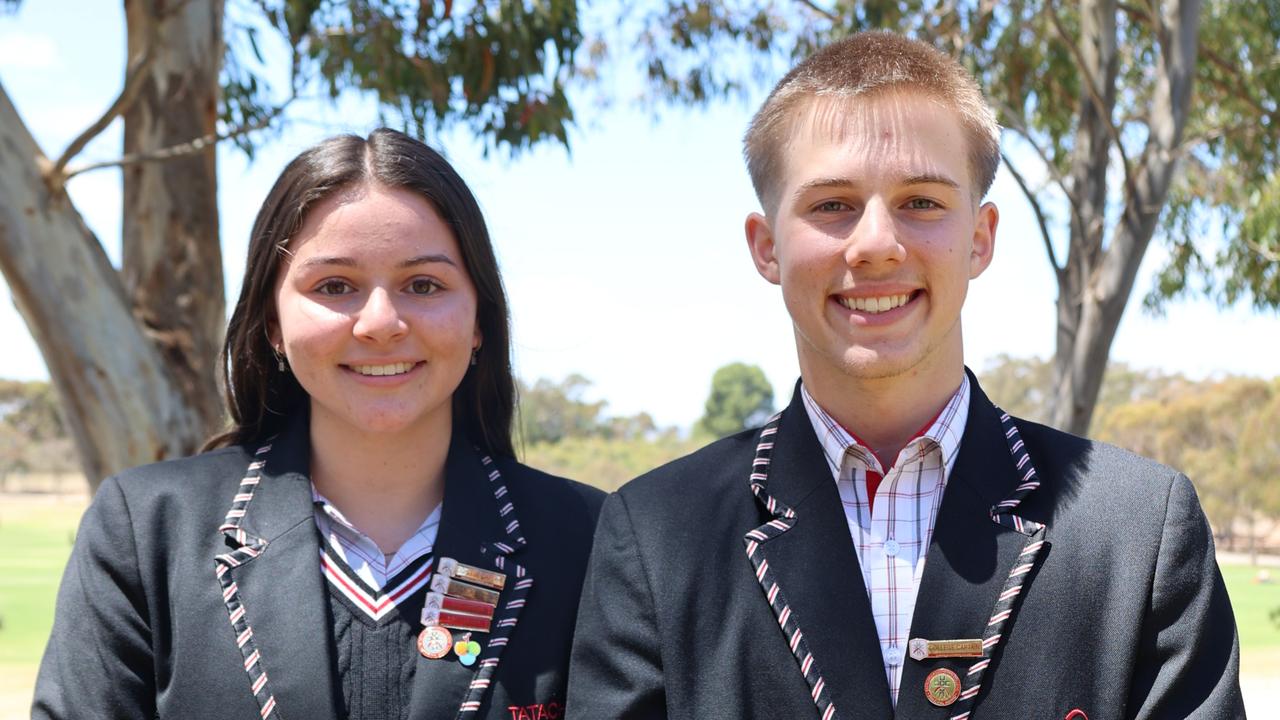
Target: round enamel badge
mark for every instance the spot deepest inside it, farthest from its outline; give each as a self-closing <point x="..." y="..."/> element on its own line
<point x="434" y="642"/>
<point x="942" y="687"/>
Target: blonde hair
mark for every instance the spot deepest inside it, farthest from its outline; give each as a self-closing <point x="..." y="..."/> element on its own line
<point x="866" y="65"/>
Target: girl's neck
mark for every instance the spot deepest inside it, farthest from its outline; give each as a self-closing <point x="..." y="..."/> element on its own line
<point x="386" y="484"/>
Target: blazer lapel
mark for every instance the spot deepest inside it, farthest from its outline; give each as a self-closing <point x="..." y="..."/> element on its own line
<point x="816" y="570"/>
<point x="478" y="527"/>
<point x="272" y="584"/>
<point x="969" y="559"/>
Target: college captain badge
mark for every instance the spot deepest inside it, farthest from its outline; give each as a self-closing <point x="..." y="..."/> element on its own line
<point x="922" y="649"/>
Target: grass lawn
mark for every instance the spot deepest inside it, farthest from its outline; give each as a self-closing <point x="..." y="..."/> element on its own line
<point x="36" y="534"/>
<point x="1253" y="604"/>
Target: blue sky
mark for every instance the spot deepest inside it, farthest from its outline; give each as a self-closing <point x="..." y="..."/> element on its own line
<point x="624" y="259"/>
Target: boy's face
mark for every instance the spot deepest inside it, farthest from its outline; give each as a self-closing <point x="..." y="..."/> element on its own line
<point x="876" y="235"/>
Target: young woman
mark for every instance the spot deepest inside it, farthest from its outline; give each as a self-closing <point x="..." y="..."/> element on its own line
<point x="362" y="544"/>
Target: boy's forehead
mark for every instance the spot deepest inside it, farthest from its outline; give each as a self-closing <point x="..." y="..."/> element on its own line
<point x="872" y="126"/>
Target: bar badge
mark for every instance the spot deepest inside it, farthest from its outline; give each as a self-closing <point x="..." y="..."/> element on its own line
<point x="922" y="649"/>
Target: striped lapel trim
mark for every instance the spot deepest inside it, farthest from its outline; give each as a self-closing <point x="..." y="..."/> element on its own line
<point x="783" y="519"/>
<point x="249" y="548"/>
<point x="1006" y="602"/>
<point x="513" y="600"/>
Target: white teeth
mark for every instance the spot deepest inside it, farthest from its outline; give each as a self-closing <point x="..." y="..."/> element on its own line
<point x="392" y="369"/>
<point x="875" y="304"/>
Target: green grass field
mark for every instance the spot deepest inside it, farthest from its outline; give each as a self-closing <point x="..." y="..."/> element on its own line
<point x="36" y="534"/>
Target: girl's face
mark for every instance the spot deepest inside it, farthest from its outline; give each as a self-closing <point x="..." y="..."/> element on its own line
<point x="375" y="312"/>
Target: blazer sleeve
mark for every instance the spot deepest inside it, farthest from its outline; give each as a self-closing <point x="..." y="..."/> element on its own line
<point x="615" y="669"/>
<point x="98" y="663"/>
<point x="1188" y="663"/>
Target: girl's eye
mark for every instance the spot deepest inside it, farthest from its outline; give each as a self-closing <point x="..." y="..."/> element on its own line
<point x="334" y="286"/>
<point x="423" y="286"/>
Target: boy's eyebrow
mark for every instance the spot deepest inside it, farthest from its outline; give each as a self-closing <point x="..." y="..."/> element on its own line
<point x="923" y="178"/>
<point x="928" y="178"/>
<point x="351" y="262"/>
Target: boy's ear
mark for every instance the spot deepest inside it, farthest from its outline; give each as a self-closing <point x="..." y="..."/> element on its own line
<point x="983" y="247"/>
<point x="761" y="242"/>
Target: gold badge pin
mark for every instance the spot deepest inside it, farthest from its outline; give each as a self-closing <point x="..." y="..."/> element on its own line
<point x="942" y="687"/>
<point x="922" y="649"/>
<point x="443" y="584"/>
<point x="472" y="574"/>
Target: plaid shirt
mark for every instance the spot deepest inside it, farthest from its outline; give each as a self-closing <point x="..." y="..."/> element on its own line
<point x="361" y="553"/>
<point x="891" y="535"/>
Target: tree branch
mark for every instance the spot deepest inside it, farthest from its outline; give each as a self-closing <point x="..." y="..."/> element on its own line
<point x="1040" y="216"/>
<point x="187" y="148"/>
<point x="1131" y="189"/>
<point x="820" y="11"/>
<point x="134" y="77"/>
<point x="1265" y="253"/>
<point x="1239" y="88"/>
<point x="1021" y="129"/>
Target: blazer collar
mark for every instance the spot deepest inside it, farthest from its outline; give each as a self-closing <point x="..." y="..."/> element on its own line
<point x="970" y="556"/>
<point x="276" y="593"/>
<point x="479" y="526"/>
<point x="817" y="570"/>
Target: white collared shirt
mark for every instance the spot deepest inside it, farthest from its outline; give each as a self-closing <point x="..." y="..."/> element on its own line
<point x="891" y="532"/>
<point x="361" y="553"/>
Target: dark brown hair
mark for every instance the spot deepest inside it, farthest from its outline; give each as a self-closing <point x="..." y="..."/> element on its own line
<point x="865" y="65"/>
<point x="260" y="397"/>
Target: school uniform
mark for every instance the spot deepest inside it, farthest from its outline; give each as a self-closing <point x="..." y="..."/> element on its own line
<point x="1081" y="578"/>
<point x="196" y="590"/>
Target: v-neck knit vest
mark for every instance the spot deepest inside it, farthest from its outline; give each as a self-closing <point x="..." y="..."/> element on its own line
<point x="376" y="657"/>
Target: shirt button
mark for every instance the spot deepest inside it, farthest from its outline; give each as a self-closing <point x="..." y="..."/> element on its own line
<point x="892" y="548"/>
<point x="893" y="655"/>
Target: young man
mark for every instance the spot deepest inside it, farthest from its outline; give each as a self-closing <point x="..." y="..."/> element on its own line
<point x="891" y="545"/>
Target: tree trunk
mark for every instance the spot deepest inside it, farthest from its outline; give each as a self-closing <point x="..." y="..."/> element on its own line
<point x="172" y="262"/>
<point x="118" y="399"/>
<point x="1098" y="281"/>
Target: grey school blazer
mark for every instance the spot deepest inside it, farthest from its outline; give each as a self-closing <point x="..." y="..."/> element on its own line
<point x="172" y="565"/>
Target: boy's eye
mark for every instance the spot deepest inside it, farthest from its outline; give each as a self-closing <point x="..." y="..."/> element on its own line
<point x="831" y="206"/>
<point x="922" y="204"/>
<point x="423" y="286"/>
<point x="334" y="286"/>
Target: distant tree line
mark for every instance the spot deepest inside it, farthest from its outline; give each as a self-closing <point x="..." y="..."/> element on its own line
<point x="1221" y="432"/>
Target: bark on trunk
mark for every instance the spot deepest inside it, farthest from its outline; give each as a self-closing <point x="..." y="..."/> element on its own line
<point x="118" y="399"/>
<point x="1099" y="279"/>
<point x="172" y="262"/>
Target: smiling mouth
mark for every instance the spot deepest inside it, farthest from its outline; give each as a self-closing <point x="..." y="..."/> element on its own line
<point x="381" y="370"/>
<point x="874" y="305"/>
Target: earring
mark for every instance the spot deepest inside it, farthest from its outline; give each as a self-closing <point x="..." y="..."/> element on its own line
<point x="280" y="363"/>
<point x="475" y="351"/>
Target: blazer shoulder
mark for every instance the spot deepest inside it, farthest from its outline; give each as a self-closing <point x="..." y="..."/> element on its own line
<point x="552" y="493"/>
<point x="189" y="477"/>
<point x="705" y="473"/>
<point x="1053" y="443"/>
<point x="1109" y="476"/>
